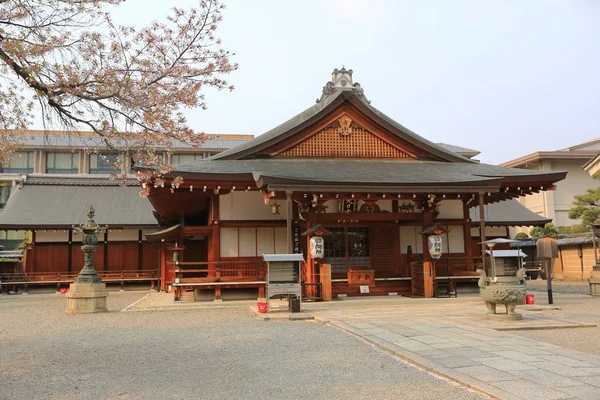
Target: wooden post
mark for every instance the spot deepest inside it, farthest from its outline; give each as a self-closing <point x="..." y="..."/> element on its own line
<point x="325" y="274"/>
<point x="482" y="228"/>
<point x="70" y="254"/>
<point x="428" y="268"/>
<point x="163" y="266"/>
<point x="215" y="248"/>
<point x="288" y="195"/>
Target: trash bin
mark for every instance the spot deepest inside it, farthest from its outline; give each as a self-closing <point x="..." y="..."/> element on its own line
<point x="295" y="305"/>
<point x="529" y="299"/>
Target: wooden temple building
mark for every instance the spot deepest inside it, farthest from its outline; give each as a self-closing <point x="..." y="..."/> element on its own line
<point x="373" y="185"/>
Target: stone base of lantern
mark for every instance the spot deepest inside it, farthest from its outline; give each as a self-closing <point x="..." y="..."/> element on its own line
<point x="505" y="317"/>
<point x="86" y="298"/>
<point x="595" y="281"/>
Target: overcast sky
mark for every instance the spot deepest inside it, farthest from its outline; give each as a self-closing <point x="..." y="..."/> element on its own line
<point x="504" y="77"/>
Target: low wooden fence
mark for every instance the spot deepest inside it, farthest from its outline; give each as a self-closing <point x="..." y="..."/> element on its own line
<point x="23" y="279"/>
<point x="218" y="275"/>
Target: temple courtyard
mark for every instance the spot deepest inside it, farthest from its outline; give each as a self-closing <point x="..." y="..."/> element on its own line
<point x="376" y="348"/>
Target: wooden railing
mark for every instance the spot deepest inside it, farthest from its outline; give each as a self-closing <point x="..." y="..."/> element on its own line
<point x="24" y="279"/>
<point x="456" y="266"/>
<point x="217" y="274"/>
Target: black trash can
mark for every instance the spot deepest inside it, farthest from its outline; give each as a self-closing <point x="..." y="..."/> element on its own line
<point x="295" y="305"/>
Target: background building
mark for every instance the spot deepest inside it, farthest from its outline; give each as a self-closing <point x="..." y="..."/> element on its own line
<point x="556" y="204"/>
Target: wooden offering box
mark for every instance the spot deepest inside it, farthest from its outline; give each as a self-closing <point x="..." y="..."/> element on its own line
<point x="358" y="276"/>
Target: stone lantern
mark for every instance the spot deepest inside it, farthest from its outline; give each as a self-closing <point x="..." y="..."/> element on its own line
<point x="87" y="294"/>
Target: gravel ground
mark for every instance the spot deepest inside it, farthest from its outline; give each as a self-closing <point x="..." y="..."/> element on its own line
<point x="576" y="304"/>
<point x="200" y="353"/>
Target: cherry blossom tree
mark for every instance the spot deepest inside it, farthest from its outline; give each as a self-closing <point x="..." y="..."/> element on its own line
<point x="129" y="86"/>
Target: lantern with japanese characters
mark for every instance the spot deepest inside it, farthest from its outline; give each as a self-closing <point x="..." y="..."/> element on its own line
<point x="435" y="246"/>
<point x="434" y="234"/>
<point x="317" y="247"/>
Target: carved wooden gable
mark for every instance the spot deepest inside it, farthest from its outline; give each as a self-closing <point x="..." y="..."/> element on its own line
<point x="345" y="138"/>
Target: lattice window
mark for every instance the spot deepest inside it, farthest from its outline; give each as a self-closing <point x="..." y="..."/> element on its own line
<point x="338" y="141"/>
<point x="382" y="252"/>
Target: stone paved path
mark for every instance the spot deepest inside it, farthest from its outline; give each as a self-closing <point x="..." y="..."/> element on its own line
<point x="452" y="338"/>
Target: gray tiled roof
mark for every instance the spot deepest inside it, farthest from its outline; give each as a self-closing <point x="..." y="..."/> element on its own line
<point x="361" y="171"/>
<point x="572" y="239"/>
<point x="508" y="213"/>
<point x="460" y="150"/>
<point x="74" y="141"/>
<point x="320" y="109"/>
<point x="62" y="205"/>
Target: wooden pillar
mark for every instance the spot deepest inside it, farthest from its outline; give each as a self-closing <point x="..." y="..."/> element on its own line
<point x="29" y="265"/>
<point x="325" y="275"/>
<point x="482" y="228"/>
<point x="70" y="254"/>
<point x="288" y="195"/>
<point x="140" y="250"/>
<point x="106" y="251"/>
<point x="163" y="266"/>
<point x="467" y="235"/>
<point x="214" y="253"/>
<point x="428" y="267"/>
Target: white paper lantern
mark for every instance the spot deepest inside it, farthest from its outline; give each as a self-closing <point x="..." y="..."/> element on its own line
<point x="317" y="247"/>
<point x="435" y="246"/>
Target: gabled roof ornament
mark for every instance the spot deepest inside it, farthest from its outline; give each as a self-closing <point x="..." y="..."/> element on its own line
<point x="341" y="80"/>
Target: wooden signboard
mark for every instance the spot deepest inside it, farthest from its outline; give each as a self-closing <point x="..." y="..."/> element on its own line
<point x="358" y="276"/>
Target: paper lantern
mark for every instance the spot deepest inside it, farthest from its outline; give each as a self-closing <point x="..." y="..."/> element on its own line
<point x="317" y="247"/>
<point x="435" y="246"/>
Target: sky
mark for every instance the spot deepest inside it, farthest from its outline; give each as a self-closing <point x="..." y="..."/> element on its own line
<point x="507" y="78"/>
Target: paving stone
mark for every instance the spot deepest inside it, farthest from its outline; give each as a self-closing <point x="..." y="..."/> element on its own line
<point x="470" y="352"/>
<point x="530" y="390"/>
<point x="467" y="341"/>
<point x="546" y="378"/>
<point x="560" y="369"/>
<point x="362" y="325"/>
<point x="592" y="371"/>
<point x="452" y="361"/>
<point x="591" y="380"/>
<point x="503" y="364"/>
<point x="486" y="374"/>
<point x="391" y="337"/>
<point x="430" y="339"/>
<point x="375" y="331"/>
<point x="583" y="392"/>
<point x="516" y="356"/>
<point x="413" y="345"/>
<point x="571" y="362"/>
<point x="531" y="350"/>
<point x="447" y="345"/>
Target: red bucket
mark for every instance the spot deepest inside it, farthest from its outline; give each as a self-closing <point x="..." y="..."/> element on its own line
<point x="529" y="299"/>
<point x="262" y="307"/>
<point x="63" y="290"/>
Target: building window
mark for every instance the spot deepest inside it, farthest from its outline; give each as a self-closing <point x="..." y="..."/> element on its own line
<point x="21" y="162"/>
<point x="4" y="193"/>
<point x="104" y="163"/>
<point x="186" y="158"/>
<point x="62" y="163"/>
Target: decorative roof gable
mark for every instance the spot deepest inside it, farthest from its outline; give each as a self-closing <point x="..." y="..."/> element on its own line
<point x="345" y="138"/>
